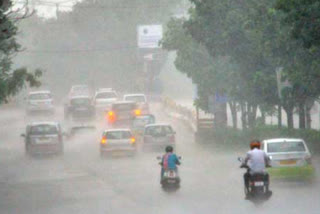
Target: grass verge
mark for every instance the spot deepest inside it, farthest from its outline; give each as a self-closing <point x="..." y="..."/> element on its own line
<point x="305" y="172"/>
<point x="240" y="138"/>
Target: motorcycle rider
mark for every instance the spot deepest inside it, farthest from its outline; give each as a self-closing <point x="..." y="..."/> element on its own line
<point x="169" y="161"/>
<point x="257" y="161"/>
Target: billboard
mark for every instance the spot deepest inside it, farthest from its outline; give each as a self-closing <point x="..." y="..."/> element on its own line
<point x="149" y="36"/>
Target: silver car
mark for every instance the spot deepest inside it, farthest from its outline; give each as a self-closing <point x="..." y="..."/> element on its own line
<point x="104" y="98"/>
<point x="140" y="100"/>
<point x="117" y="141"/>
<point x="43" y="138"/>
<point x="158" y="136"/>
<point x="287" y="152"/>
<point x="40" y="101"/>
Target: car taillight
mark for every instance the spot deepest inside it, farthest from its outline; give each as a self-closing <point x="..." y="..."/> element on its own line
<point x="137" y="112"/>
<point x="132" y="140"/>
<point x="103" y="140"/>
<point x="111" y="116"/>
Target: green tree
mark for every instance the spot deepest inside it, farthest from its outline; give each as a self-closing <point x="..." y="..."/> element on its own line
<point x="303" y="17"/>
<point x="251" y="36"/>
<point x="11" y="81"/>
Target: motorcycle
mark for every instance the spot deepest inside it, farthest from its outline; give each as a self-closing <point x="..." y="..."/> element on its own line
<point x="170" y="178"/>
<point x="258" y="189"/>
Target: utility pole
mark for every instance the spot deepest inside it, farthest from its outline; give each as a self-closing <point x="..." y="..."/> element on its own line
<point x="57" y="10"/>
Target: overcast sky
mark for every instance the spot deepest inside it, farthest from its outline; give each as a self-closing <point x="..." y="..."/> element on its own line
<point x="47" y="8"/>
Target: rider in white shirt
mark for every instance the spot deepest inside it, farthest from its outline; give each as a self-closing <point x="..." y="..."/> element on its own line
<point x="257" y="160"/>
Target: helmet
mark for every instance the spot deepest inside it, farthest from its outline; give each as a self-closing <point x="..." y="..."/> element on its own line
<point x="169" y="149"/>
<point x="255" y="144"/>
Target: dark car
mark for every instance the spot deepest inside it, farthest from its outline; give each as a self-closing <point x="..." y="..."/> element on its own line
<point x="123" y="113"/>
<point x="80" y="108"/>
<point x="43" y="138"/>
<point x="140" y="122"/>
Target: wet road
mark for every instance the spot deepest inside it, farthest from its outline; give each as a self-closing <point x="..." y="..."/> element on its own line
<point x="82" y="182"/>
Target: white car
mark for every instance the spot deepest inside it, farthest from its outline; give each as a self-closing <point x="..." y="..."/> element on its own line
<point x="141" y="101"/>
<point x="117" y="141"/>
<point x="78" y="90"/>
<point x="103" y="99"/>
<point x="40" y="101"/>
<point x="287" y="152"/>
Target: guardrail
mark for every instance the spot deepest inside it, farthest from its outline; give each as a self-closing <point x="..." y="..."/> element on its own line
<point x="205" y="124"/>
<point x="198" y="124"/>
<point x="181" y="112"/>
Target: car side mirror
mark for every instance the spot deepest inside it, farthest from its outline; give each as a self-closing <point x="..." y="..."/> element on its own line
<point x="159" y="158"/>
<point x="22" y="135"/>
<point x="180" y="158"/>
<point x="240" y="159"/>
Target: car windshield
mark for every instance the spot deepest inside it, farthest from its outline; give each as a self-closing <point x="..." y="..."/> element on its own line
<point x="40" y="96"/>
<point x="159" y="130"/>
<point x="80" y="101"/>
<point x="78" y="90"/>
<point x="138" y="98"/>
<point x="285" y="146"/>
<point x="123" y="107"/>
<point x="106" y="95"/>
<point x="43" y="129"/>
<point x="117" y="135"/>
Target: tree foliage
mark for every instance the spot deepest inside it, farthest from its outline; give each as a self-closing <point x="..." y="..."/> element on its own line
<point x="11" y="81"/>
<point x="255" y="40"/>
<point x="303" y="17"/>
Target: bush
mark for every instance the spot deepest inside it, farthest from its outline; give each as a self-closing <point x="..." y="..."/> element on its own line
<point x="241" y="138"/>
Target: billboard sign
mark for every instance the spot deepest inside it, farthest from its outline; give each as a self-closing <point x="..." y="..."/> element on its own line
<point x="149" y="36"/>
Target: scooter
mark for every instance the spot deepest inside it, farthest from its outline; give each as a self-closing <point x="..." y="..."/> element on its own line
<point x="170" y="178"/>
<point x="258" y="189"/>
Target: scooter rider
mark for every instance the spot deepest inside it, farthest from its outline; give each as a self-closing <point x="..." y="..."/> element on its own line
<point x="257" y="161"/>
<point x="169" y="161"/>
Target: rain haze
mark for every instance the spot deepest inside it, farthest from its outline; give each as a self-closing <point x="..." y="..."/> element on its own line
<point x="159" y="106"/>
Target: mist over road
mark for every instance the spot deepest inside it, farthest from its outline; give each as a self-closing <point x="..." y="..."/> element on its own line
<point x="82" y="182"/>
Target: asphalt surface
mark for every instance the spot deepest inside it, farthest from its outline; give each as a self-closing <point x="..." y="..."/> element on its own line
<point x="82" y="182"/>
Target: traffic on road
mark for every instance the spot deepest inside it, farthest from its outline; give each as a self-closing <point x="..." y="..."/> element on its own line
<point x="107" y="163"/>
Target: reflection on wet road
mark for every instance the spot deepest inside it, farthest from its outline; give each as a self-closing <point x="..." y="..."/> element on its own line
<point x="82" y="182"/>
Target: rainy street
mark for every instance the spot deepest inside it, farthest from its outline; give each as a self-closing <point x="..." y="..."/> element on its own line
<point x="81" y="182"/>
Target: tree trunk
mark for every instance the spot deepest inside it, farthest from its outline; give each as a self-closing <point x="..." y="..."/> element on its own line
<point x="279" y="116"/>
<point x="308" y="117"/>
<point x="233" y="108"/>
<point x="289" y="118"/>
<point x="263" y="118"/>
<point x="302" y="116"/>
<point x="244" y="115"/>
<point x="220" y="116"/>
<point x="252" y="114"/>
